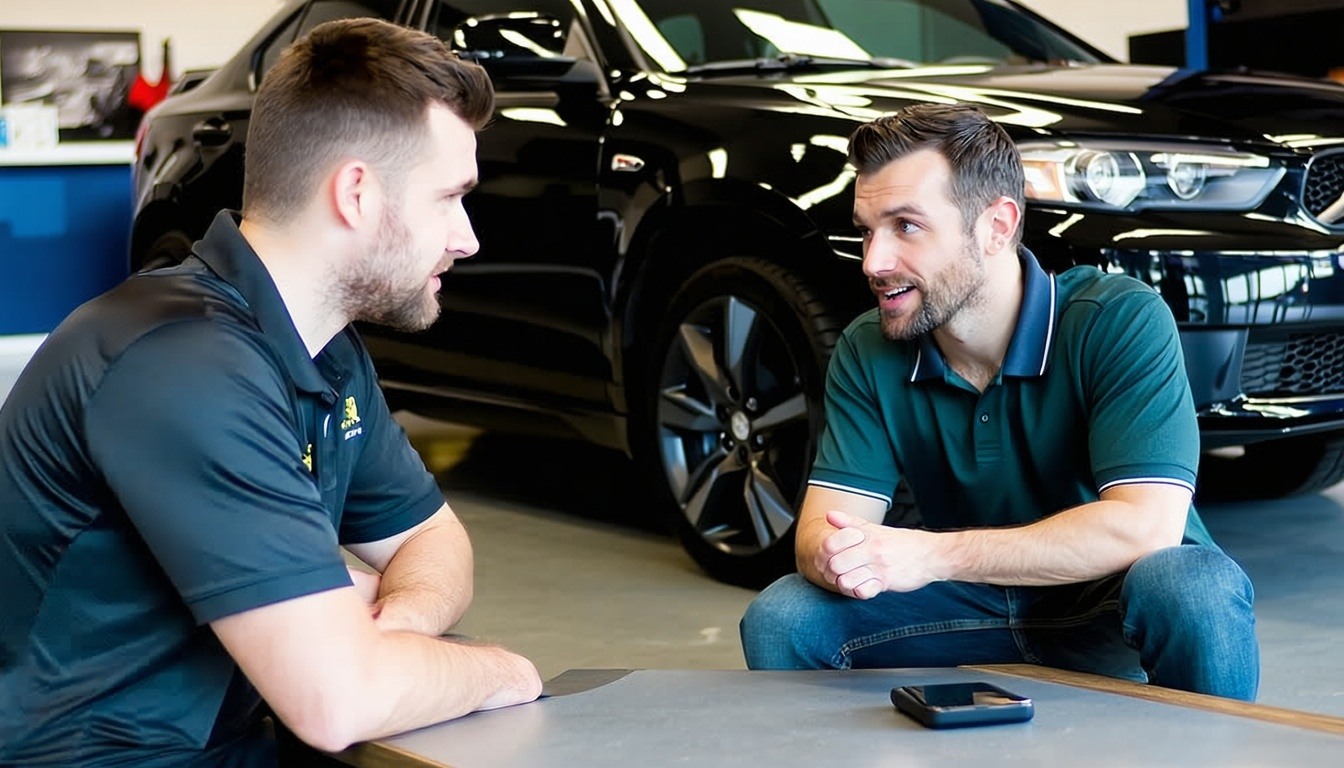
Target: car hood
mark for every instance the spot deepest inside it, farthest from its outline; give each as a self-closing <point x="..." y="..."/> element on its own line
<point x="1130" y="100"/>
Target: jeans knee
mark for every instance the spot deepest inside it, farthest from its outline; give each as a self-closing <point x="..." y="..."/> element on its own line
<point x="1188" y="580"/>
<point x="775" y="608"/>
<point x="777" y="626"/>
<point x="1188" y="612"/>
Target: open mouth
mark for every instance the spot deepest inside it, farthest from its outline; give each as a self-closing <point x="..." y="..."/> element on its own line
<point x="894" y="292"/>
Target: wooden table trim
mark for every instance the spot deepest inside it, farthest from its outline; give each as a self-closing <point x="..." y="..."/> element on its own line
<point x="376" y="754"/>
<point x="1279" y="715"/>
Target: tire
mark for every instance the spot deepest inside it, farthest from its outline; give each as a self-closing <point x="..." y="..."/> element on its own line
<point x="731" y="409"/>
<point x="168" y="250"/>
<point x="1274" y="468"/>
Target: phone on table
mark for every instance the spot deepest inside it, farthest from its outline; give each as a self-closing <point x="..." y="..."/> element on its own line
<point x="953" y="705"/>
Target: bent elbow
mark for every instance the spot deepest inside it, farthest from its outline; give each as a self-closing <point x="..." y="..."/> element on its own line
<point x="1163" y="533"/>
<point x="329" y="721"/>
<point x="329" y="740"/>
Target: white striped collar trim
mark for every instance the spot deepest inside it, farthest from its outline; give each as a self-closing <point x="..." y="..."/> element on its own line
<point x="1050" y="329"/>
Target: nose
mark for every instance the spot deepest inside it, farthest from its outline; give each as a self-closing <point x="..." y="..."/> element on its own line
<point x="462" y="242"/>
<point x="880" y="256"/>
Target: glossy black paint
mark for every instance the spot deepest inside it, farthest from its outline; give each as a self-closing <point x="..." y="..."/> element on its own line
<point x="603" y="190"/>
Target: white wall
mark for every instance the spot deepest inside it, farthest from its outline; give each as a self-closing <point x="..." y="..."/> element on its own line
<point x="206" y="32"/>
<point x="1107" y="24"/>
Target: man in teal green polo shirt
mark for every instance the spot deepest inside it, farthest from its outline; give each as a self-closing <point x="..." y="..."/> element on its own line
<point x="1045" y="427"/>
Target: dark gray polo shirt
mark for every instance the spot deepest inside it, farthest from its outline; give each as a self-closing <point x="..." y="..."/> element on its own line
<point x="1092" y="394"/>
<point x="172" y="455"/>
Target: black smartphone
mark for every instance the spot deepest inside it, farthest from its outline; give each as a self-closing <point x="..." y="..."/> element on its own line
<point x="952" y="705"/>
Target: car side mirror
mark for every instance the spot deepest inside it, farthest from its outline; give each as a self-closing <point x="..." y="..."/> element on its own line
<point x="522" y="51"/>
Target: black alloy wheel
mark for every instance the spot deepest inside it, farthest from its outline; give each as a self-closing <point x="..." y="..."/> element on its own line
<point x="736" y="410"/>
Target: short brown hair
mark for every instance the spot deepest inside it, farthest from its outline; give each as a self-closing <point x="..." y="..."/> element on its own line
<point x="985" y="161"/>
<point x="351" y="87"/>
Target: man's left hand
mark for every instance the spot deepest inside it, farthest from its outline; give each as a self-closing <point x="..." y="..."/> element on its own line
<point x="864" y="559"/>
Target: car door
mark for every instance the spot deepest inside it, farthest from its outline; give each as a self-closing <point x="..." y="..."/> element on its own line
<point x="525" y="320"/>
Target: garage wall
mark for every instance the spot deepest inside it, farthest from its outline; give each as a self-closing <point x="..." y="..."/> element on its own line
<point x="1107" y="24"/>
<point x="206" y="32"/>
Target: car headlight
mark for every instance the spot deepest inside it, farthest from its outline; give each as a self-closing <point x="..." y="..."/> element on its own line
<point x="1133" y="175"/>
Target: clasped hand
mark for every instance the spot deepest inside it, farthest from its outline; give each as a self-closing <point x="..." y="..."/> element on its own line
<point x="863" y="559"/>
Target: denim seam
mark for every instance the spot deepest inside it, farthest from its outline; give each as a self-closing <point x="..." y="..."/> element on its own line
<point x="842" y="659"/>
<point x="1015" y="627"/>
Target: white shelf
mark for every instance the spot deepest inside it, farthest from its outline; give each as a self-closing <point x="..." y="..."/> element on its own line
<point x="71" y="153"/>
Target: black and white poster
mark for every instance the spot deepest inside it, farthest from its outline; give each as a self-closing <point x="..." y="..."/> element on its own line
<point x="86" y="75"/>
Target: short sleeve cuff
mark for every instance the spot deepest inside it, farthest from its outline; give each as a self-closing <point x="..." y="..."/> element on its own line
<point x="379" y="527"/>
<point x="843" y="481"/>
<point x="1163" y="474"/>
<point x="272" y="589"/>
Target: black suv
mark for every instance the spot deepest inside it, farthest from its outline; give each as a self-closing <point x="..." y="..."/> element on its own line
<point x="668" y="255"/>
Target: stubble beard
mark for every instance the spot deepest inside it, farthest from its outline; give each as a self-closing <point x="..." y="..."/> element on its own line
<point x="383" y="287"/>
<point x="957" y="287"/>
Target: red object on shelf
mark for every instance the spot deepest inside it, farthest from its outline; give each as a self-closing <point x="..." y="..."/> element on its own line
<point x="143" y="95"/>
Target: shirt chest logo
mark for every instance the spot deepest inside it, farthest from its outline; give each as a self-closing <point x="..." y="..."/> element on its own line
<point x="350" y="422"/>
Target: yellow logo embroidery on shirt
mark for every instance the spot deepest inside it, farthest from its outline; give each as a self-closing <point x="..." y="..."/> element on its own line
<point x="351" y="413"/>
<point x="308" y="457"/>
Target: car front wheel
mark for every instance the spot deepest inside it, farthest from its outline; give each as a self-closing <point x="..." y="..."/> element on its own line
<point x="734" y="402"/>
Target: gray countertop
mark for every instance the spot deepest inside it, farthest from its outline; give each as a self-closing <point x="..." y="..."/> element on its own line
<point x="830" y="718"/>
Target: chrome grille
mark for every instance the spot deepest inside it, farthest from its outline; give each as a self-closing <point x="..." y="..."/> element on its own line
<point x="1303" y="364"/>
<point x="1325" y="184"/>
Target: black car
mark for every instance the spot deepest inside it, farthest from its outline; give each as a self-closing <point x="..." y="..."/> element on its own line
<point x="667" y="248"/>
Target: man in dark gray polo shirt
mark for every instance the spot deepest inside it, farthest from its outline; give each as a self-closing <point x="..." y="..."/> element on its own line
<point x="1045" y="427"/>
<point x="183" y="457"/>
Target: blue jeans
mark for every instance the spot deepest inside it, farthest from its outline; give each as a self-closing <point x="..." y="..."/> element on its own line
<point x="1180" y="618"/>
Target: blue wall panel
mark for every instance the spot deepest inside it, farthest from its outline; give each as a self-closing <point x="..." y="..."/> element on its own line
<point x="64" y="231"/>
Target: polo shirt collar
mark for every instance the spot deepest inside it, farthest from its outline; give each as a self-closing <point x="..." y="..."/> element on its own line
<point x="229" y="255"/>
<point x="1029" y="350"/>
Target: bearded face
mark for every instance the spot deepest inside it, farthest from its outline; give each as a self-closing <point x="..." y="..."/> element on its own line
<point x="392" y="286"/>
<point x="937" y="299"/>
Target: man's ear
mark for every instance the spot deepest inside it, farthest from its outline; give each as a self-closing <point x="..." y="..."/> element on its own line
<point x="354" y="194"/>
<point x="1002" y="217"/>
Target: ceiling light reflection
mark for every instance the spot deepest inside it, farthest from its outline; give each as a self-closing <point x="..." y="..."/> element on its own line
<point x="533" y="115"/>
<point x="647" y="36"/>
<point x="796" y="37"/>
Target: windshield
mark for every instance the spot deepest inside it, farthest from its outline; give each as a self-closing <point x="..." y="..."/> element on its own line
<point x="696" y="35"/>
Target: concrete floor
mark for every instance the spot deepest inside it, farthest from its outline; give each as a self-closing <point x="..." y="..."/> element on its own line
<point x="572" y="572"/>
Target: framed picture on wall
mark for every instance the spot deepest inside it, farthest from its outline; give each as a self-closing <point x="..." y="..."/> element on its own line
<point x="86" y="75"/>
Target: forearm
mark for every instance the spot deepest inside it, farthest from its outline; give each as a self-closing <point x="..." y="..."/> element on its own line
<point x="411" y="681"/>
<point x="334" y="678"/>
<point x="1083" y="543"/>
<point x="427" y="585"/>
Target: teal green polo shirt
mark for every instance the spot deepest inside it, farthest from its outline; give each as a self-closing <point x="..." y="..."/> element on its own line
<point x="1092" y="394"/>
